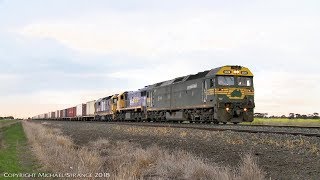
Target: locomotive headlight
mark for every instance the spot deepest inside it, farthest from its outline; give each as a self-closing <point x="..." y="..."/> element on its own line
<point x="245" y="109"/>
<point x="227" y="109"/>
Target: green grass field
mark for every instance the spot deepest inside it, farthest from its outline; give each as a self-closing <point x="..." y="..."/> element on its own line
<point x="286" y="122"/>
<point x="4" y="123"/>
<point x="12" y="140"/>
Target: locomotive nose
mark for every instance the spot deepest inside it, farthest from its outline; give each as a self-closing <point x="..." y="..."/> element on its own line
<point x="238" y="112"/>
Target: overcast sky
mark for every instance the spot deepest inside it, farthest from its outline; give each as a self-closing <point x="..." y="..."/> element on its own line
<point x="58" y="53"/>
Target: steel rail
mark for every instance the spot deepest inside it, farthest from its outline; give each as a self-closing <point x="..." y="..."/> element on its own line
<point x="213" y="128"/>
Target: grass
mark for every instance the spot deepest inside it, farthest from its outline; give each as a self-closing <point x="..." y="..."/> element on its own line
<point x="126" y="160"/>
<point x="129" y="161"/>
<point x="12" y="138"/>
<point x="58" y="154"/>
<point x="286" y="122"/>
<point x="4" y="123"/>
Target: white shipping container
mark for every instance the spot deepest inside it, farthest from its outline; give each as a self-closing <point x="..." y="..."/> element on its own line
<point x="79" y="110"/>
<point x="90" y="108"/>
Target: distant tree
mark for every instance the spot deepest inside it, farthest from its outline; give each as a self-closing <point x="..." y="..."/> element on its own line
<point x="298" y="116"/>
<point x="260" y="115"/>
<point x="291" y="116"/>
<point x="8" y="117"/>
<point x="315" y="115"/>
<point x="304" y="116"/>
<point x="283" y="116"/>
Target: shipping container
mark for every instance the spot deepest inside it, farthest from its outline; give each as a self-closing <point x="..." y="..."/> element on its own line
<point x="58" y="114"/>
<point x="71" y="112"/>
<point x="81" y="110"/>
<point x="90" y="108"/>
<point x="53" y="115"/>
<point x="65" y="113"/>
<point x="61" y="114"/>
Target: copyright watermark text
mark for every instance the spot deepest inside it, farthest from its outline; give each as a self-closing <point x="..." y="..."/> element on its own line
<point x="56" y="175"/>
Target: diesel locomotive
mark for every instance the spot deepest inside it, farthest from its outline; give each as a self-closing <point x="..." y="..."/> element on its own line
<point x="220" y="95"/>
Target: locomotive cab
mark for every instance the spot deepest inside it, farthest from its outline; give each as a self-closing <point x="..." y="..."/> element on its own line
<point x="233" y="94"/>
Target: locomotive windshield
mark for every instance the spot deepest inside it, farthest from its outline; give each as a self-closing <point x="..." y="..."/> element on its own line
<point x="232" y="81"/>
<point x="226" y="80"/>
<point x="244" y="81"/>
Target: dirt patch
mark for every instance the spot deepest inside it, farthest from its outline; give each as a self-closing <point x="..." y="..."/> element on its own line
<point x="280" y="156"/>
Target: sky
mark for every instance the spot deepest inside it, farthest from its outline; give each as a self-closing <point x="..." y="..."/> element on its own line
<point x="57" y="54"/>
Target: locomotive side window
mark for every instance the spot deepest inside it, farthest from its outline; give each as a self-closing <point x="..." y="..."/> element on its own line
<point x="212" y="82"/>
<point x="226" y="80"/>
<point x="244" y="81"/>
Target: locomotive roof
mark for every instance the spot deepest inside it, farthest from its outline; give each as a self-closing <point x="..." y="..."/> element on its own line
<point x="223" y="70"/>
<point x="231" y="71"/>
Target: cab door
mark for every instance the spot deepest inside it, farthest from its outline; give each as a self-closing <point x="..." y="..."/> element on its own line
<point x="114" y="100"/>
<point x="149" y="99"/>
<point x="204" y="90"/>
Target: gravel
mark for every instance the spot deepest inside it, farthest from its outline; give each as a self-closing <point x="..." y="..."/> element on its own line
<point x="306" y="130"/>
<point x="280" y="156"/>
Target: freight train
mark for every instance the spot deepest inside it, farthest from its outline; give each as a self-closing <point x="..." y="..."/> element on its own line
<point x="220" y="95"/>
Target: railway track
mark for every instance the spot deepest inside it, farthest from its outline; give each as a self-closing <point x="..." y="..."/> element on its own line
<point x="277" y="126"/>
<point x="283" y="130"/>
<point x="266" y="129"/>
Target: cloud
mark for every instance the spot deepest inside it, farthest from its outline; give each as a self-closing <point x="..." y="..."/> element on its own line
<point x="140" y="34"/>
<point x="146" y="36"/>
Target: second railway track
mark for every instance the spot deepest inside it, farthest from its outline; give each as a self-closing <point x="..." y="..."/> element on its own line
<point x="283" y="130"/>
